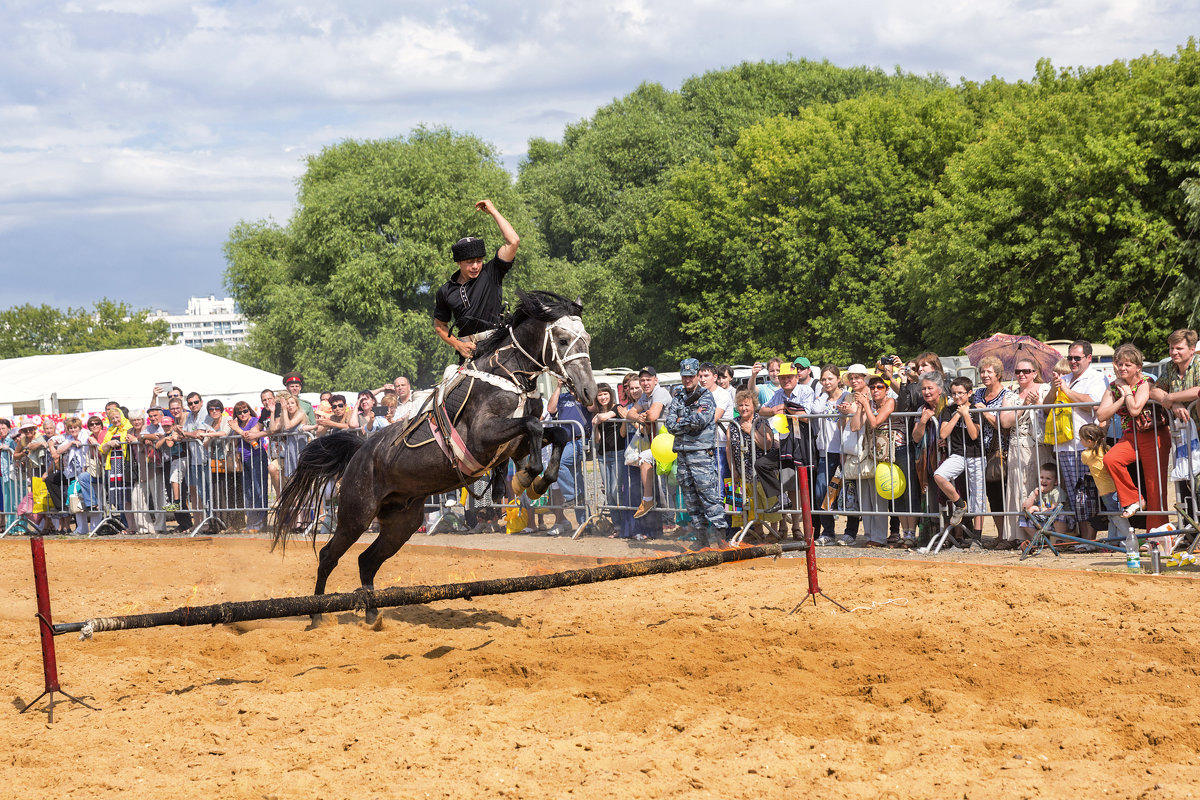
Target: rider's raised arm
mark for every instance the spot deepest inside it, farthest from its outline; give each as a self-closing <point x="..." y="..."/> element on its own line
<point x="509" y="250"/>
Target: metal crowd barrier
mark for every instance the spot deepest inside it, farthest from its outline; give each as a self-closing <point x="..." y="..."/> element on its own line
<point x="1017" y="433"/>
<point x="136" y="487"/>
<point x="228" y="483"/>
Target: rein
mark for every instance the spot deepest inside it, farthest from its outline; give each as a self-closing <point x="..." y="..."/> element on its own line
<point x="442" y="426"/>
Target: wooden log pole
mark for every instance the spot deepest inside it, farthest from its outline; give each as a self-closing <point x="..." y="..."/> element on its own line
<point x="280" y="607"/>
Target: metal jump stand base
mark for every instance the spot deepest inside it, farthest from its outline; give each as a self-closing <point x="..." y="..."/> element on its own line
<point x="46" y="628"/>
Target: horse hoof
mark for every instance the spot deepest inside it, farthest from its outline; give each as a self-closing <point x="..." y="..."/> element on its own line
<point x="538" y="488"/>
<point x="315" y="622"/>
<point x="371" y="616"/>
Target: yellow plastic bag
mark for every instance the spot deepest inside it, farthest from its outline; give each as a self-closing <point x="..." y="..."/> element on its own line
<point x="1060" y="427"/>
<point x="41" y="497"/>
<point x="516" y="519"/>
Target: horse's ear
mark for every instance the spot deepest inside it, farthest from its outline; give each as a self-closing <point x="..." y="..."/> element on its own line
<point x="577" y="304"/>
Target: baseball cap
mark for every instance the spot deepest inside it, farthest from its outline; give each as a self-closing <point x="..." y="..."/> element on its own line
<point x="689" y="366"/>
<point x="787" y="369"/>
<point x="653" y="373"/>
<point x="802" y="363"/>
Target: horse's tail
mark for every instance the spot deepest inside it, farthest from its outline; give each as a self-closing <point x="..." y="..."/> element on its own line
<point x="321" y="462"/>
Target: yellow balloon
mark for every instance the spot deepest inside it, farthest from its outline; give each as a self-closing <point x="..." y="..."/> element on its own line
<point x="661" y="448"/>
<point x="889" y="481"/>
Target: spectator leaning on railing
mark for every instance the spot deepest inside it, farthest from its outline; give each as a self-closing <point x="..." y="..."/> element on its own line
<point x="1179" y="385"/>
<point x="1083" y="385"/>
<point x="1144" y="438"/>
<point x="1022" y="468"/>
<point x="194" y="429"/>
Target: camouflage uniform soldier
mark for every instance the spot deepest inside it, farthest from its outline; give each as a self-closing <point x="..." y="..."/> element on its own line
<point x="690" y="418"/>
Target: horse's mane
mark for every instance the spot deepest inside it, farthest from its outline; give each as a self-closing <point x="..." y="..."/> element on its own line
<point x="537" y="306"/>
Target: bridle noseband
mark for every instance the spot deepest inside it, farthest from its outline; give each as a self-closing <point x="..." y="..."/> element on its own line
<point x="556" y="363"/>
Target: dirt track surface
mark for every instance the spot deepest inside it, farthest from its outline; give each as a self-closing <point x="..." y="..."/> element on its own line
<point x="975" y="681"/>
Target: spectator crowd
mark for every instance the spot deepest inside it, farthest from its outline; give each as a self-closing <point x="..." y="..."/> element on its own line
<point x="182" y="456"/>
<point x="896" y="452"/>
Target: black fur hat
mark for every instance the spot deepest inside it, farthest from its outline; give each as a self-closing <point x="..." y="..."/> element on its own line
<point x="467" y="248"/>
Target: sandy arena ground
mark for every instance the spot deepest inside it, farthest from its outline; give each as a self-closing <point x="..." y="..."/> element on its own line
<point x="977" y="681"/>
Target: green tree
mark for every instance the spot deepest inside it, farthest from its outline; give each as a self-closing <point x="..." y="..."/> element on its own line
<point x="29" y="330"/>
<point x="781" y="247"/>
<point x="593" y="193"/>
<point x="1064" y="218"/>
<point x="344" y="292"/>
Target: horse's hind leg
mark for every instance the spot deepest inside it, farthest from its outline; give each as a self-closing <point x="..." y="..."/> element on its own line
<point x="350" y="526"/>
<point x="397" y="523"/>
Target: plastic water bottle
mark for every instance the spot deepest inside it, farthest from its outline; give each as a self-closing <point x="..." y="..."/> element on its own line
<point x="1133" y="561"/>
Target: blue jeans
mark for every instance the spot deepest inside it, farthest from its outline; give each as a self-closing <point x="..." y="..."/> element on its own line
<point x="254" y="489"/>
<point x="568" y="471"/>
<point x="827" y="464"/>
<point x="87" y="489"/>
<point x="608" y="472"/>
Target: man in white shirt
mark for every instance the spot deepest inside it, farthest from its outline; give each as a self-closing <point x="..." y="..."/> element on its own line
<point x="724" y="414"/>
<point x="1083" y="385"/>
<point x="405" y="405"/>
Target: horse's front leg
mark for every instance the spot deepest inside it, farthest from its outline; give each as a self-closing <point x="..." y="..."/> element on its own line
<point x="532" y="466"/>
<point x="558" y="438"/>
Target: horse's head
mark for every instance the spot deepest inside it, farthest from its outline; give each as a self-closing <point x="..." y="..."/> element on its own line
<point x="566" y="352"/>
<point x="547" y="328"/>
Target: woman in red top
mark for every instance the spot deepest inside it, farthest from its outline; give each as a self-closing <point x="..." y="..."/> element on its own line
<point x="1145" y="439"/>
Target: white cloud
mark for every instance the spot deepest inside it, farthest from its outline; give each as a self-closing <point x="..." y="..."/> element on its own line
<point x="170" y="109"/>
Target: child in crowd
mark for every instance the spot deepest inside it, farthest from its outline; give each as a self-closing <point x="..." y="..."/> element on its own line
<point x="960" y="430"/>
<point x="1092" y="438"/>
<point x="1040" y="502"/>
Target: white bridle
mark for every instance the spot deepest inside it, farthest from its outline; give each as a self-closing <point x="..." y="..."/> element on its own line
<point x="556" y="364"/>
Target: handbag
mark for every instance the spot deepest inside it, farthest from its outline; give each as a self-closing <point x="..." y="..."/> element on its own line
<point x="74" y="498"/>
<point x="1060" y="426"/>
<point x="858" y="462"/>
<point x="884" y="442"/>
<point x="834" y="490"/>
<point x="994" y="470"/>
<point x="1151" y="419"/>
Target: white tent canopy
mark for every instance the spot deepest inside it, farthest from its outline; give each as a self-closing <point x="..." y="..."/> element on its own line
<point x="78" y="383"/>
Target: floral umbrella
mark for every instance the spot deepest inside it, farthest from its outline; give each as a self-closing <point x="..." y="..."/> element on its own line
<point x="1009" y="349"/>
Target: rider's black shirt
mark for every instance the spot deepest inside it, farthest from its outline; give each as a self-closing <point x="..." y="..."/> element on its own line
<point x="476" y="304"/>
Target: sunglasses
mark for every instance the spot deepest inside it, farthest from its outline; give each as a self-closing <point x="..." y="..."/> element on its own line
<point x="1023" y="371"/>
<point x="337" y="405"/>
<point x="215" y="410"/>
<point x="173" y="396"/>
<point x="243" y="412"/>
<point x="193" y="402"/>
<point x="1076" y="358"/>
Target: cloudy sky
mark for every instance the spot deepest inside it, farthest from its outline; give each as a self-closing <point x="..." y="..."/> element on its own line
<point x="135" y="133"/>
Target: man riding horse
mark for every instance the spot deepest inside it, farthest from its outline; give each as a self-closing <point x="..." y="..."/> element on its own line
<point x="472" y="296"/>
<point x="486" y="412"/>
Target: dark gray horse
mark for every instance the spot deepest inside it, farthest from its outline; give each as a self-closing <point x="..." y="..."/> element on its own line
<point x="483" y="416"/>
